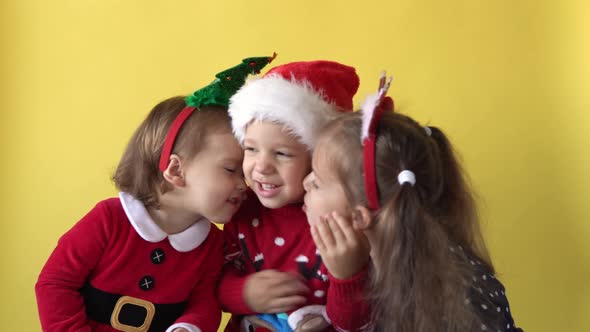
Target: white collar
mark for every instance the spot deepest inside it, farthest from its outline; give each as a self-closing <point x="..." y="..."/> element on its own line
<point x="145" y="226"/>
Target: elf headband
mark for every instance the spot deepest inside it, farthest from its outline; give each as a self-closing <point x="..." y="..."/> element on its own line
<point x="217" y="93"/>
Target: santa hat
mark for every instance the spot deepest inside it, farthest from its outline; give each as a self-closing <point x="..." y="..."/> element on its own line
<point x="302" y="96"/>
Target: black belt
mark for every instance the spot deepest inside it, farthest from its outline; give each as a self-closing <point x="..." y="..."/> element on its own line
<point x="128" y="313"/>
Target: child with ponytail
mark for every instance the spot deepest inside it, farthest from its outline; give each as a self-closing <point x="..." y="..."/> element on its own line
<point x="383" y="186"/>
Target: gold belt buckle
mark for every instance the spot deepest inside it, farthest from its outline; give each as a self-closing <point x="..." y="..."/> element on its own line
<point x="123" y="300"/>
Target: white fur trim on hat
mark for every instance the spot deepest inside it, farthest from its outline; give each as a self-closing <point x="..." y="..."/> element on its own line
<point x="296" y="105"/>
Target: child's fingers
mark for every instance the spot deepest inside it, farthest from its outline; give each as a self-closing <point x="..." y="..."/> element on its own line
<point x="317" y="238"/>
<point x="288" y="303"/>
<point x="287" y="288"/>
<point x="345" y="226"/>
<point x="326" y="233"/>
<point x="337" y="233"/>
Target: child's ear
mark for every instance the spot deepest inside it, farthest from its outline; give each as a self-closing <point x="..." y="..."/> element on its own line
<point x="173" y="173"/>
<point x="361" y="218"/>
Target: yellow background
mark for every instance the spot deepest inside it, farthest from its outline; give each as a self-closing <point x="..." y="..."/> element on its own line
<point x="508" y="80"/>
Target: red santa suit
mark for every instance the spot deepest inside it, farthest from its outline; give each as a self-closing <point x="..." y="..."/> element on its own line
<point x="117" y="253"/>
<point x="259" y="238"/>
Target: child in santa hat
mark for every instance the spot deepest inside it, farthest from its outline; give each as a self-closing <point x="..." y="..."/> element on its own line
<point x="277" y="281"/>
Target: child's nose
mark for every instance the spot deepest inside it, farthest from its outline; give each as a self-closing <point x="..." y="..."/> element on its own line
<point x="263" y="164"/>
<point x="306" y="181"/>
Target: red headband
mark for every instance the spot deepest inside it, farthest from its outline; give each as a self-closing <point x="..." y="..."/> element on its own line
<point x="172" y="134"/>
<point x="217" y="93"/>
<point x="372" y="109"/>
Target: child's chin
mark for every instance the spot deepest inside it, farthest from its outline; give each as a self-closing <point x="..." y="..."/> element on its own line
<point x="270" y="203"/>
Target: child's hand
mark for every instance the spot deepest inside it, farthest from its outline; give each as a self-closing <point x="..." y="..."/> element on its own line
<point x="345" y="251"/>
<point x="312" y="323"/>
<point x="271" y="291"/>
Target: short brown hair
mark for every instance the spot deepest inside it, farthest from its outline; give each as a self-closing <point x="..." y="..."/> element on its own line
<point x="138" y="173"/>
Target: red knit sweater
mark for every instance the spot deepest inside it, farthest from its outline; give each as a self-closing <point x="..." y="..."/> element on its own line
<point x="280" y="239"/>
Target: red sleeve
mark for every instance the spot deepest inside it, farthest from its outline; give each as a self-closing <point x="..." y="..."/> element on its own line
<point x="203" y="308"/>
<point x="235" y="272"/>
<point x="61" y="306"/>
<point x="348" y="307"/>
<point x="233" y="278"/>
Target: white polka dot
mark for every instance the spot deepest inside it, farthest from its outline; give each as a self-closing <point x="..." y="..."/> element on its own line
<point x="472" y="262"/>
<point x="491" y="295"/>
<point x="496" y="292"/>
<point x="507" y="326"/>
<point x="499" y="309"/>
<point x="452" y="249"/>
<point x="319" y="293"/>
<point x="484" y="307"/>
<point x="480" y="290"/>
<point x="474" y="278"/>
<point x="483" y="327"/>
<point x="302" y="258"/>
<point x="484" y="277"/>
<point x="279" y="241"/>
<point x="241" y="236"/>
<point x="467" y="301"/>
<point x="507" y="310"/>
<point x="255" y="222"/>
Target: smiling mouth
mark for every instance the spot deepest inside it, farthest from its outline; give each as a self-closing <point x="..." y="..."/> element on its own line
<point x="267" y="190"/>
<point x="267" y="186"/>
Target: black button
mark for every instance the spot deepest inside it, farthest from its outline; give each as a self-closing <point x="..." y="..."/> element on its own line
<point x="158" y="256"/>
<point x="146" y="283"/>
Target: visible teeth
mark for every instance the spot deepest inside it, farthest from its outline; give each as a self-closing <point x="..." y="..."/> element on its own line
<point x="267" y="186"/>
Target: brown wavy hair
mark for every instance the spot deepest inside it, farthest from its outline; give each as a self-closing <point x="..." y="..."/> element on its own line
<point x="418" y="283"/>
<point x="138" y="173"/>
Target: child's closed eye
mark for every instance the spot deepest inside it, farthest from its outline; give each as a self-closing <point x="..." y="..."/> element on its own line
<point x="249" y="148"/>
<point x="284" y="154"/>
